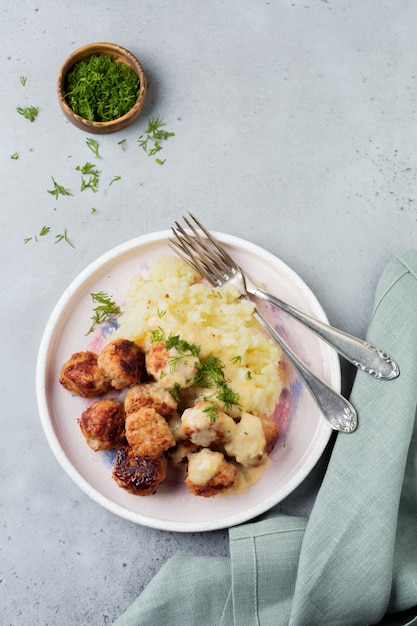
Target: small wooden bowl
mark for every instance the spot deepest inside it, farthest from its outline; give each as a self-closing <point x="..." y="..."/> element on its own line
<point x="119" y="54"/>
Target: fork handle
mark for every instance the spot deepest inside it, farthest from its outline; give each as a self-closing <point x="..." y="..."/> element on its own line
<point x="335" y="408"/>
<point x="362" y="354"/>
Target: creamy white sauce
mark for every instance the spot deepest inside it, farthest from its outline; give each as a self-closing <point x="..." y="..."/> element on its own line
<point x="248" y="442"/>
<point x="203" y="466"/>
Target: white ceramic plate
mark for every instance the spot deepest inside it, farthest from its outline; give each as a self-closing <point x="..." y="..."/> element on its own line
<point x="304" y="432"/>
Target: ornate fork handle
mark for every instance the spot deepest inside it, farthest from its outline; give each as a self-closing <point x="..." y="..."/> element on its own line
<point x="361" y="353"/>
<point x="336" y="409"/>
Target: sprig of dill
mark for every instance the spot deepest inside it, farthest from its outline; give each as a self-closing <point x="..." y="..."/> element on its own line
<point x="64" y="237"/>
<point x="94" y="146"/>
<point x="59" y="190"/>
<point x="30" y="113"/>
<point x="89" y="169"/>
<point x="105" y="311"/>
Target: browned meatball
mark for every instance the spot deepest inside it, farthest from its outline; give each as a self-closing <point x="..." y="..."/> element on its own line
<point x="123" y="362"/>
<point x="138" y="475"/>
<point x="82" y="376"/>
<point x="148" y="433"/>
<point x="209" y="473"/>
<point x="171" y="368"/>
<point x="150" y="394"/>
<point x="271" y="432"/>
<point x="103" y="424"/>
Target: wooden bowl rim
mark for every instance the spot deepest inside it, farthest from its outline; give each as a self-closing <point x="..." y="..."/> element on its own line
<point x="120" y="54"/>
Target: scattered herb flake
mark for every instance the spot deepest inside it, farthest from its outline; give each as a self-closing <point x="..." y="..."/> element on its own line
<point x="29" y="113"/>
<point x="122" y="143"/>
<point x="59" y="190"/>
<point x="114" y="179"/>
<point x="15" y="156"/>
<point x="64" y="237"/>
<point x="43" y="231"/>
<point x="23" y="80"/>
<point x="94" y="146"/>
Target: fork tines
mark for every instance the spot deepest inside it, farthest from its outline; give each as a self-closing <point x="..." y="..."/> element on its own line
<point x="201" y="249"/>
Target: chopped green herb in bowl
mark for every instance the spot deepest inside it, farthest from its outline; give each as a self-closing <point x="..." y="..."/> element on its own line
<point x="101" y="88"/>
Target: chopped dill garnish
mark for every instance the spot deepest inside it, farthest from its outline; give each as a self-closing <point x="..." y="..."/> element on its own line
<point x="89" y="169"/>
<point x="228" y="397"/>
<point x="15" y="156"/>
<point x="210" y="373"/>
<point x="30" y="113"/>
<point x="212" y="411"/>
<point x="150" y="140"/>
<point x="157" y="335"/>
<point x="114" y="179"/>
<point x="43" y="231"/>
<point x="64" y="237"/>
<point x="100" y="88"/>
<point x="93" y="145"/>
<point x="175" y="391"/>
<point x="182" y="346"/>
<point x="58" y="190"/>
<point x="105" y="311"/>
<point x="210" y="370"/>
<point x="23" y="80"/>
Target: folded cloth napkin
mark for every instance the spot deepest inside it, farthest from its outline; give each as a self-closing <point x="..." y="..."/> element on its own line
<point x="355" y="559"/>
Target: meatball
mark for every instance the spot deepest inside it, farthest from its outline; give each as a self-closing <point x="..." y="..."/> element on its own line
<point x="123" y="362"/>
<point x="148" y="433"/>
<point x="251" y="440"/>
<point x="171" y="368"/>
<point x="209" y="473"/>
<point x="271" y="432"/>
<point x="138" y="475"/>
<point x="150" y="394"/>
<point x="206" y="425"/>
<point x="82" y="375"/>
<point x="103" y="424"/>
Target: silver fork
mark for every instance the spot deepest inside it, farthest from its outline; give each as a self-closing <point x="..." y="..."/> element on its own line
<point x="203" y="252"/>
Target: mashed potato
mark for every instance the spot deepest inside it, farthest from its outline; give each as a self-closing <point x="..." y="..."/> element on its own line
<point x="173" y="300"/>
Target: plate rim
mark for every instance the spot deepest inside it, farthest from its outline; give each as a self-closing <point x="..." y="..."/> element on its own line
<point x="46" y="421"/>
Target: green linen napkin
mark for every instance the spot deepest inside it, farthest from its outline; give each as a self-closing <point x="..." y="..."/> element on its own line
<point x="355" y="559"/>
